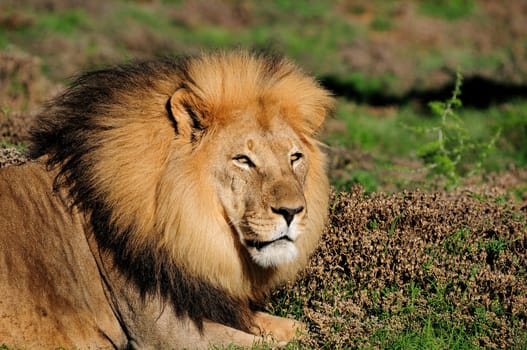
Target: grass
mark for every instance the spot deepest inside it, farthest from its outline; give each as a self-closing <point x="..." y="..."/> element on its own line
<point x="67" y="23"/>
<point x="426" y="326"/>
<point x="436" y="308"/>
<point x="383" y="134"/>
<point x="317" y="34"/>
<point x="448" y="9"/>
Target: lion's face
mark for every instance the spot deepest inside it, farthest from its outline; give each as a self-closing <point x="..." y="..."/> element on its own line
<point x="260" y="182"/>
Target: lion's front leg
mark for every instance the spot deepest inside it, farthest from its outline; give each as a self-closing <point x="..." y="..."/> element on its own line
<point x="279" y="328"/>
<point x="217" y="334"/>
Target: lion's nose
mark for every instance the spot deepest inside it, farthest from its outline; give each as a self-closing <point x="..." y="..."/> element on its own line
<point x="287" y="213"/>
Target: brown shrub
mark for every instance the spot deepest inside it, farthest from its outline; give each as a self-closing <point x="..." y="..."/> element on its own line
<point x="22" y="86"/>
<point x="22" y="91"/>
<point x="229" y="14"/>
<point x="14" y="128"/>
<point x="388" y="262"/>
<point x="11" y="156"/>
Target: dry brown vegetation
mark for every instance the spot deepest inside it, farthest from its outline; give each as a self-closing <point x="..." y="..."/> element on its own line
<point x="22" y="90"/>
<point x="456" y="258"/>
<point x="11" y="156"/>
<point x="22" y="85"/>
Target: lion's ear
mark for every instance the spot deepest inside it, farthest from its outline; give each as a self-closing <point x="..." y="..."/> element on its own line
<point x="182" y="107"/>
<point x="315" y="123"/>
<point x="316" y="114"/>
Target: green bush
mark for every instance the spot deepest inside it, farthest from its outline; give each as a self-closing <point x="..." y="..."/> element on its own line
<point x="451" y="152"/>
<point x="512" y="122"/>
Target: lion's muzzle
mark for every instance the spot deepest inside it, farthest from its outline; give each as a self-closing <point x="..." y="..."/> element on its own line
<point x="288" y="213"/>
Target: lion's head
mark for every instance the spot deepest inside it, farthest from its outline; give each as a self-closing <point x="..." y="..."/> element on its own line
<point x="260" y="178"/>
<point x="208" y="166"/>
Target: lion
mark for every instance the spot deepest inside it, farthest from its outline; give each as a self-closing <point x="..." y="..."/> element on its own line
<point x="165" y="199"/>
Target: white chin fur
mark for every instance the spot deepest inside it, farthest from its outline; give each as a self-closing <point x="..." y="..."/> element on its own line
<point x="278" y="253"/>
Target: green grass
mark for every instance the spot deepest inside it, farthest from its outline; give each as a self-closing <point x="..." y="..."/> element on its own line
<point x="448" y="9"/>
<point x="381" y="24"/>
<point x="383" y="134"/>
<point x="316" y="34"/>
<point x="4" y="40"/>
<point x="19" y="147"/>
<point x="431" y="337"/>
<point x="67" y="23"/>
<point x="265" y="346"/>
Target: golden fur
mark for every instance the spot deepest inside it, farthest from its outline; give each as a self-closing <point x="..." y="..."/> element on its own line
<point x="184" y="171"/>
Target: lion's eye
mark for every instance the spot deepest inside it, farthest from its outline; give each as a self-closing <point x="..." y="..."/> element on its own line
<point x="244" y="161"/>
<point x="295" y="157"/>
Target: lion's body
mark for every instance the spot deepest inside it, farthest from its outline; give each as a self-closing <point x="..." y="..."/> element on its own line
<point x="48" y="296"/>
<point x="175" y="195"/>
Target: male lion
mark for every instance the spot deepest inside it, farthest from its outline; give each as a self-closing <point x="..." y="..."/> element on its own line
<point x="165" y="200"/>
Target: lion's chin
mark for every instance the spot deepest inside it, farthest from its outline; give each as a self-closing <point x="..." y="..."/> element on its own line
<point x="274" y="254"/>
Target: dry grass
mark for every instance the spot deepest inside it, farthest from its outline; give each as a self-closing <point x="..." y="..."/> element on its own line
<point x="391" y="265"/>
<point x="11" y="156"/>
<point x="22" y="90"/>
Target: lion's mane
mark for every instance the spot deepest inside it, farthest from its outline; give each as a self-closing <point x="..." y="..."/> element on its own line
<point x="117" y="150"/>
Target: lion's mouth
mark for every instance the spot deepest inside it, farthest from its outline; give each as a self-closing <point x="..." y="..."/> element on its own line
<point x="262" y="244"/>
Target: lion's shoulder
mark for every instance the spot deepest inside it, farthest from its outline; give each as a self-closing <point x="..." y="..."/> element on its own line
<point x="47" y="266"/>
<point x="31" y="205"/>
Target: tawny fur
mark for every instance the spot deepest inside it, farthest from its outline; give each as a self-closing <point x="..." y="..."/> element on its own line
<point x="137" y="148"/>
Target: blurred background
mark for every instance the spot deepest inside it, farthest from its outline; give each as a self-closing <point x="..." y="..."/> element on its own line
<point x="386" y="61"/>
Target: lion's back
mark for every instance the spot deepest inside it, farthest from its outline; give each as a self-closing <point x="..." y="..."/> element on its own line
<point x="50" y="287"/>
